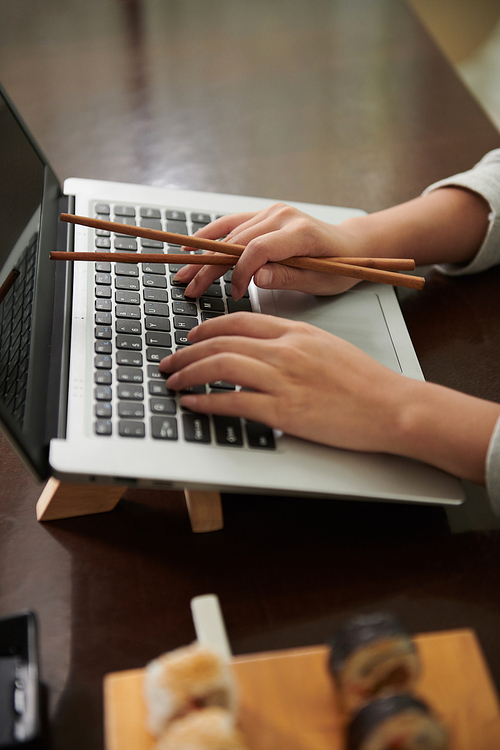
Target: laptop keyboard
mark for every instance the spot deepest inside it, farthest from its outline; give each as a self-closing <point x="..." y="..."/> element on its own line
<point x="15" y="332"/>
<point x="142" y="316"/>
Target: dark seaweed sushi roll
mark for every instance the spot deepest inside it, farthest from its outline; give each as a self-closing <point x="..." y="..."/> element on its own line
<point x="372" y="655"/>
<point x="398" y="722"/>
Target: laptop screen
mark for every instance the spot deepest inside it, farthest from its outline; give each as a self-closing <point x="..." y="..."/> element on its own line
<point x="29" y="194"/>
<point x="21" y="185"/>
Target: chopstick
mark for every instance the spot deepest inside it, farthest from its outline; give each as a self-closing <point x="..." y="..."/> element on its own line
<point x="350" y="267"/>
<point x="186" y="258"/>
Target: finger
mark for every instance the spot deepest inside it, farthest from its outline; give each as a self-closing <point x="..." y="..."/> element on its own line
<point x="256" y="347"/>
<point x="257" y="407"/>
<point x="221" y="227"/>
<point x="276" y="276"/>
<point x="204" y="278"/>
<point x="239" y="369"/>
<point x="242" y="324"/>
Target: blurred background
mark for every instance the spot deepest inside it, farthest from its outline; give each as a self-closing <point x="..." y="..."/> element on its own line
<point x="468" y="32"/>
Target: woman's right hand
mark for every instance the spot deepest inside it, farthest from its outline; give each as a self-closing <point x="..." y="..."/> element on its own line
<point x="273" y="234"/>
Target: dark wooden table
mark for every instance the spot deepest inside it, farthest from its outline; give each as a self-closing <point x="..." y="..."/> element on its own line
<point x="345" y="102"/>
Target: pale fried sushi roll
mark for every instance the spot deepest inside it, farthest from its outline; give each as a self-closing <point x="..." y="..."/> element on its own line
<point x="398" y="722"/>
<point x="208" y="729"/>
<point x="373" y="656"/>
<point x="188" y="678"/>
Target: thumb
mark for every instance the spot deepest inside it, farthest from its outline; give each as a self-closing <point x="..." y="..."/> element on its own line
<point x="275" y="276"/>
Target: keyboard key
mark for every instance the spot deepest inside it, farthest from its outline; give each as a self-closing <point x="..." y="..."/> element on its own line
<point x="103" y="362"/>
<point x="162" y="405"/>
<point x="126" y="269"/>
<point x="185" y="323"/>
<point x="130" y="392"/>
<point x="227" y="287"/>
<point x="102" y="208"/>
<point x="158" y="339"/>
<point x="128" y="341"/>
<point x="128" y="283"/>
<point x="103" y="243"/>
<point x="156" y="355"/>
<point x="154" y="268"/>
<point x="214" y="290"/>
<point x="151" y="224"/>
<point x="154" y="280"/>
<point x="150" y="213"/>
<point x="103" y="410"/>
<point x="122" y="243"/>
<point x="175" y="215"/>
<point x="128" y="311"/>
<point x="130" y="410"/>
<point x="159" y="388"/>
<point x="153" y="372"/>
<point x="196" y="428"/>
<point x="103" y="318"/>
<point x="181" y="338"/>
<point x="103" y="304"/>
<point x="103" y="347"/>
<point x="129" y="375"/>
<point x="184" y="308"/>
<point x="259" y="436"/>
<point x="156" y="308"/>
<point x="164" y="428"/>
<point x="129" y="358"/>
<point x="102" y="292"/>
<point x="179" y="227"/>
<point x="103" y="377"/>
<point x="155" y="295"/>
<point x="222" y="385"/>
<point x="152" y="245"/>
<point x="242" y="305"/>
<point x="157" y="324"/>
<point x="128" y="326"/>
<point x="102" y="332"/>
<point x="103" y="267"/>
<point x="209" y="315"/>
<point x="127" y="298"/>
<point x="103" y="278"/>
<point x="228" y="431"/>
<point x="130" y="428"/>
<point x="124" y="211"/>
<point x="102" y="233"/>
<point x="103" y="427"/>
<point x="199" y="218"/>
<point x="210" y="304"/>
<point x="102" y="393"/>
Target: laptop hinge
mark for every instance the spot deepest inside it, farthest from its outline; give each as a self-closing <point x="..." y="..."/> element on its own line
<point x="57" y="397"/>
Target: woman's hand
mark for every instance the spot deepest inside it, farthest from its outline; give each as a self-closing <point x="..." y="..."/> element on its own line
<point x="273" y="234"/>
<point x="313" y="385"/>
<point x="303" y="381"/>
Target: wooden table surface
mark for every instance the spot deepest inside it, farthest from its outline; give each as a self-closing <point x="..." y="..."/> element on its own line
<point x="345" y="102"/>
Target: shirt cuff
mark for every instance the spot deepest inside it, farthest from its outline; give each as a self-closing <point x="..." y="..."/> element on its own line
<point x="484" y="180"/>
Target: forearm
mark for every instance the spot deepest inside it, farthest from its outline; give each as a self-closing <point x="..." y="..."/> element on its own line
<point x="446" y="226"/>
<point x="443" y="427"/>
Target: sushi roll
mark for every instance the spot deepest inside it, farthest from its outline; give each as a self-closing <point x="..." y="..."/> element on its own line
<point x="208" y="729"/>
<point x="371" y="656"/>
<point x="398" y="722"/>
<point x="189" y="678"/>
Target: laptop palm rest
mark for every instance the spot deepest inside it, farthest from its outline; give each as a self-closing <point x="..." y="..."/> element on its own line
<point x="354" y="316"/>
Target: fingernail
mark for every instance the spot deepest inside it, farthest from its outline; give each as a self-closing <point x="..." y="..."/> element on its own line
<point x="235" y="292"/>
<point x="264" y="277"/>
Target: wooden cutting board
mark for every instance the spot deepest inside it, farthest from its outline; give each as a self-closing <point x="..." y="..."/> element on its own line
<point x="288" y="699"/>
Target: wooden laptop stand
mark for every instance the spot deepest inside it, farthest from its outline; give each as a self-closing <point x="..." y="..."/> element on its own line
<point x="66" y="500"/>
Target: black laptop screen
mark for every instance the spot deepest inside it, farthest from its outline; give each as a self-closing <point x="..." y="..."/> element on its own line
<point x="21" y="182"/>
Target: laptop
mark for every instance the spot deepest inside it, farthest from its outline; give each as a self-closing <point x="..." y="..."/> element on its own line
<point x="81" y="396"/>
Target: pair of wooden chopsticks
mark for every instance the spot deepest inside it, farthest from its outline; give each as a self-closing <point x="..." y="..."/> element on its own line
<point x="383" y="270"/>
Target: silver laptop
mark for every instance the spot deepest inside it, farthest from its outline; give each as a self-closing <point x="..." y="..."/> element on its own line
<point x="81" y="396"/>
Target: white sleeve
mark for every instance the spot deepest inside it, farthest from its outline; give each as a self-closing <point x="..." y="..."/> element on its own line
<point x="493" y="470"/>
<point x="483" y="179"/>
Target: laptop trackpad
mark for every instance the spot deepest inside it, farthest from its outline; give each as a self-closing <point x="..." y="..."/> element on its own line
<point x="354" y="316"/>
